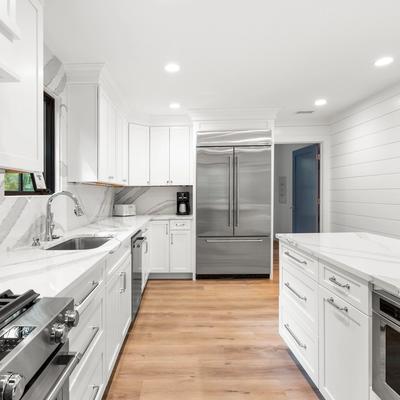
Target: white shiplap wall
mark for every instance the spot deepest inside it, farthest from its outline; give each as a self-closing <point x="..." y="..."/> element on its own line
<point x="365" y="168"/>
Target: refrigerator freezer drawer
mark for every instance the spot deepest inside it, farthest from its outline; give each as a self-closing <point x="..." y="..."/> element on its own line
<point x="233" y="256"/>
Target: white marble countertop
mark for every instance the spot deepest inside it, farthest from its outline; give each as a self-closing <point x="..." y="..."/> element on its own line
<point x="373" y="258"/>
<point x="49" y="272"/>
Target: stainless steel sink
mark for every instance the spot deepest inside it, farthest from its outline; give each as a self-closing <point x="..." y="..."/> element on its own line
<point x="81" y="243"/>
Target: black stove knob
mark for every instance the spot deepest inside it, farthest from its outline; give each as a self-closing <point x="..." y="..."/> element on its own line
<point x="59" y="333"/>
<point x="12" y="387"/>
<point x="71" y="318"/>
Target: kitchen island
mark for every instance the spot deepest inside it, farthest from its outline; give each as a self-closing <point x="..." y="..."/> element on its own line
<point x="325" y="305"/>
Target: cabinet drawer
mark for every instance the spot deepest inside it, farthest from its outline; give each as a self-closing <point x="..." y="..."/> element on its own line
<point x="91" y="324"/>
<point x="88" y="382"/>
<point x="179" y="224"/>
<point x="85" y="288"/>
<point x="301" y="294"/>
<point x="118" y="254"/>
<point x="303" y="262"/>
<point x="348" y="287"/>
<point x="303" y="345"/>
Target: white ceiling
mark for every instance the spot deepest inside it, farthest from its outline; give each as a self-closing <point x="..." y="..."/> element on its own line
<point x="233" y="53"/>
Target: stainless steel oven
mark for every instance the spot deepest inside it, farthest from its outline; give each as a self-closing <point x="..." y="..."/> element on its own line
<point x="386" y="345"/>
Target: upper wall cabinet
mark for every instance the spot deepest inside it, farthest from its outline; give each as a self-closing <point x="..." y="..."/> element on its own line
<point x="97" y="132"/>
<point x="21" y="85"/>
<point x="139" y="155"/>
<point x="159" y="156"/>
<point x="8" y="19"/>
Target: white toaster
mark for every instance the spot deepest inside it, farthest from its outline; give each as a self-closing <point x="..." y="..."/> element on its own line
<point x="124" y="210"/>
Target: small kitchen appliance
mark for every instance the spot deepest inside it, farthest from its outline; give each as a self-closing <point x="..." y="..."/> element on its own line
<point x="124" y="210"/>
<point x="182" y="203"/>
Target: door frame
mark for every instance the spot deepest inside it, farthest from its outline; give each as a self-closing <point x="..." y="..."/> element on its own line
<point x="318" y="188"/>
<point x="322" y="184"/>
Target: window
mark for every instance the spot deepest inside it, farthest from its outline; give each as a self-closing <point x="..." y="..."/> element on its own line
<point x="21" y="183"/>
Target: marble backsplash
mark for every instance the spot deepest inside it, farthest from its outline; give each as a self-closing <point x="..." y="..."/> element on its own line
<point x="151" y="200"/>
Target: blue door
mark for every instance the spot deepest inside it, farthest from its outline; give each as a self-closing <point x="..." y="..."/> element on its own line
<point x="306" y="192"/>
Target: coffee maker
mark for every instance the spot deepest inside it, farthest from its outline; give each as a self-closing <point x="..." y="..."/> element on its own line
<point x="182" y="203"/>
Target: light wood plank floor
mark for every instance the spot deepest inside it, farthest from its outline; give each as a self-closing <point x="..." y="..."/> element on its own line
<point x="208" y="340"/>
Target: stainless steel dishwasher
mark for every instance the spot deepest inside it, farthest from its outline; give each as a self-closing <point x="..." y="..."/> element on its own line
<point x="136" y="246"/>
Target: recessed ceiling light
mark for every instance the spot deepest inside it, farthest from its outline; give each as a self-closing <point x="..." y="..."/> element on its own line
<point x="320" y="102"/>
<point x="174" y="106"/>
<point x="172" y="68"/>
<point x="383" y="61"/>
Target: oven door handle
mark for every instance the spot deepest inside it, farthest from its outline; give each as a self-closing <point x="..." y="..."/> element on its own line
<point x="383" y="321"/>
<point x="63" y="378"/>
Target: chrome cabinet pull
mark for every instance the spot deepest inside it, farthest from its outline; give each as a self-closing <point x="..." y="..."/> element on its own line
<point x="95" y="391"/>
<point x="95" y="331"/>
<point x="295" y="258"/>
<point x="331" y="301"/>
<point x="342" y="285"/>
<point x="296" y="339"/>
<point x="123" y="275"/>
<point x="92" y="288"/>
<point x="166" y="229"/>
<point x="172" y="238"/>
<point x="304" y="298"/>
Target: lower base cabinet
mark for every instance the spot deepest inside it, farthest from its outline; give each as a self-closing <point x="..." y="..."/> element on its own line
<point x="323" y="328"/>
<point x="118" y="309"/>
<point x="343" y="349"/>
<point x="170" y="245"/>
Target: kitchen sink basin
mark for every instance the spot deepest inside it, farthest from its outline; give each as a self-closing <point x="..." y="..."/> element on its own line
<point x="81" y="243"/>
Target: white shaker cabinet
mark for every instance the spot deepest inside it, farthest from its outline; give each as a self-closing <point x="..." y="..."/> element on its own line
<point x="139" y="155"/>
<point x="180" y="251"/>
<point x="159" y="156"/>
<point x="343" y="349"/>
<point x="118" y="309"/>
<point x="179" y="156"/>
<point x="122" y="153"/>
<point x="159" y="246"/>
<point x="107" y="138"/>
<point x="97" y="130"/>
<point x="21" y="86"/>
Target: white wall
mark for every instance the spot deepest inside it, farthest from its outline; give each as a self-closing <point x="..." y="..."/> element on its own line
<point x="284" y="168"/>
<point x="365" y="167"/>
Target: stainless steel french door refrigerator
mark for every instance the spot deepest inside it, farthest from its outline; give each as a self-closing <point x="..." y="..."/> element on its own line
<point x="234" y="206"/>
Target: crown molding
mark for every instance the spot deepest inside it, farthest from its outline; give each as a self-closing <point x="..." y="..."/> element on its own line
<point x="233" y="114"/>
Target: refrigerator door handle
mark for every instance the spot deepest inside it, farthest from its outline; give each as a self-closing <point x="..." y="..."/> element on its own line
<point x="236" y="191"/>
<point x="233" y="240"/>
<point x="230" y="173"/>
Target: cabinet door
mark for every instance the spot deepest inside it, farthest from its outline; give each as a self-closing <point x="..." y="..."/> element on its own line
<point x="159" y="246"/>
<point x="21" y="96"/>
<point x="180" y="251"/>
<point x="113" y="320"/>
<point x="145" y="260"/>
<point x="122" y="150"/>
<point x="125" y="276"/>
<point x="106" y="139"/>
<point x="343" y="349"/>
<point x="159" y="156"/>
<point x="179" y="149"/>
<point x="139" y="155"/>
